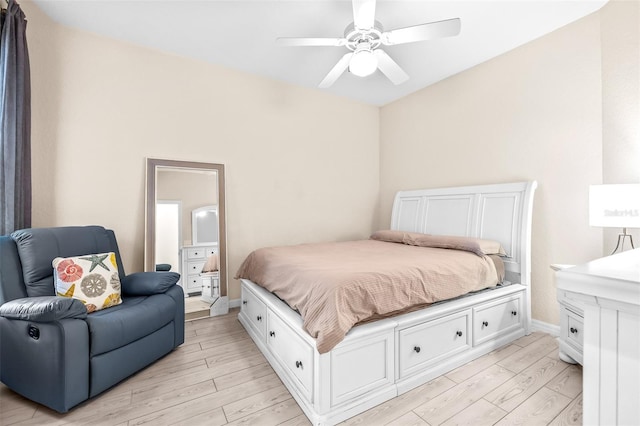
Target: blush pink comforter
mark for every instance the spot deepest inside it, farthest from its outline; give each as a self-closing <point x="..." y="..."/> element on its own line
<point x="334" y="286"/>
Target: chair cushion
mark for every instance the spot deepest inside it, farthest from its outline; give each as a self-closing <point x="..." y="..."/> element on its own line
<point x="39" y="246"/>
<point x="133" y="319"/>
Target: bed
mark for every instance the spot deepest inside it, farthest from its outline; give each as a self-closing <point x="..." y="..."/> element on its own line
<point x="378" y="360"/>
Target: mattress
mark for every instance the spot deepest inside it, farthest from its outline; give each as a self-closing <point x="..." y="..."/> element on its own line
<point x="335" y="286"/>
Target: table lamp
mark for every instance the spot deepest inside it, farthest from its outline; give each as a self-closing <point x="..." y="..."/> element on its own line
<point x="615" y="206"/>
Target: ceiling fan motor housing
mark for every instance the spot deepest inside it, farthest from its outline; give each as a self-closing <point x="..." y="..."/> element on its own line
<point x="354" y="36"/>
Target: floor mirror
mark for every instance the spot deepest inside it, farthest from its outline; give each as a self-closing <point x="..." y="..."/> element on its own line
<point x="185" y="230"/>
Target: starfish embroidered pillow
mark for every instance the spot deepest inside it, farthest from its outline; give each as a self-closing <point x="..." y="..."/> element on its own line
<point x="93" y="279"/>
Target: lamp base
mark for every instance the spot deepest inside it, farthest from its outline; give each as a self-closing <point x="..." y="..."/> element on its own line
<point x="621" y="238"/>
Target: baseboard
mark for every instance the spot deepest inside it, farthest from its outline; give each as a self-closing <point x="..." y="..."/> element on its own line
<point x="545" y="327"/>
<point x="235" y="303"/>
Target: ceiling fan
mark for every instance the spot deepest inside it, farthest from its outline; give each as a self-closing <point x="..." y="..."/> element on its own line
<point x="363" y="38"/>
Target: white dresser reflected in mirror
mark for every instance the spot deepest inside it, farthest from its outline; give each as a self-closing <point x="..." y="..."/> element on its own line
<point x="200" y="261"/>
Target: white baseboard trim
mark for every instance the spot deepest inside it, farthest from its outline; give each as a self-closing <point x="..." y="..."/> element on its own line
<point x="545" y="327"/>
<point x="235" y="303"/>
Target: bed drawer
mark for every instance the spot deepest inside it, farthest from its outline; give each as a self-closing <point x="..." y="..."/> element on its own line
<point x="255" y="311"/>
<point x="292" y="353"/>
<point x="497" y="317"/>
<point x="362" y="366"/>
<point x="425" y="344"/>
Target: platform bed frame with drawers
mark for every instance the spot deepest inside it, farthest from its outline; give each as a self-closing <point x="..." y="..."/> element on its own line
<point x="380" y="360"/>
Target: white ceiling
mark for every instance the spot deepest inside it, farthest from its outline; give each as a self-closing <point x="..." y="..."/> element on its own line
<point x="241" y="34"/>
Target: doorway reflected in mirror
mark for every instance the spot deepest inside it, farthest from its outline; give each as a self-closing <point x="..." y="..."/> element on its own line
<point x="169" y="219"/>
<point x="185" y="230"/>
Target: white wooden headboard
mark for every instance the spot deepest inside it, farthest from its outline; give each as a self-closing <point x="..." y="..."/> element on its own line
<point x="500" y="212"/>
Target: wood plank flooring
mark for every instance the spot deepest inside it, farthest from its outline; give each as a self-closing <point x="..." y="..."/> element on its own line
<point x="195" y="308"/>
<point x="219" y="377"/>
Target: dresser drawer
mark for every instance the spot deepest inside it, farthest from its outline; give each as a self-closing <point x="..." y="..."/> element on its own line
<point x="495" y="318"/>
<point x="194" y="267"/>
<point x="574" y="329"/>
<point x="425" y="344"/>
<point x="197" y="252"/>
<point x="255" y="311"/>
<point x="193" y="283"/>
<point x="292" y="352"/>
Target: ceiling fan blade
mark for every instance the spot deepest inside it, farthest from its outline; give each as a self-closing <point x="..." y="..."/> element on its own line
<point x="336" y="71"/>
<point x="364" y="12"/>
<point x="390" y="68"/>
<point x="310" y="41"/>
<point x="446" y="28"/>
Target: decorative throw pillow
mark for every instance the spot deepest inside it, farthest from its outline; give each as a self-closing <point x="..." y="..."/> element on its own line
<point x="93" y="279"/>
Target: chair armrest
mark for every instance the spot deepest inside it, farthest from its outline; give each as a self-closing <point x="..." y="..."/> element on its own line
<point x="43" y="309"/>
<point x="148" y="283"/>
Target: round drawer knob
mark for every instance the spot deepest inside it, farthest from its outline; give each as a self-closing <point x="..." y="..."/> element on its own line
<point x="244" y="302"/>
<point x="298" y="364"/>
<point x="514" y="313"/>
<point x="459" y="333"/>
<point x="485" y="324"/>
<point x="259" y="318"/>
<point x="573" y="330"/>
<point x="417" y="349"/>
<point x="272" y="333"/>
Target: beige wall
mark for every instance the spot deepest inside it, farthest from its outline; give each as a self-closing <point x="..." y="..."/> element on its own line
<point x="306" y="166"/>
<point x="620" y="25"/>
<point x="533" y="113"/>
<point x="301" y="165"/>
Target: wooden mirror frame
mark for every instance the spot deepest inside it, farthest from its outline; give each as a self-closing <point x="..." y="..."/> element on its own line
<point x="150" y="212"/>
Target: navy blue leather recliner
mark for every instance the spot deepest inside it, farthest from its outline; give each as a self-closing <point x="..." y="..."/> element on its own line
<point x="51" y="350"/>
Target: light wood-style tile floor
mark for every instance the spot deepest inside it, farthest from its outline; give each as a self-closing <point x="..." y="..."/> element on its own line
<point x="195" y="308"/>
<point x="219" y="377"/>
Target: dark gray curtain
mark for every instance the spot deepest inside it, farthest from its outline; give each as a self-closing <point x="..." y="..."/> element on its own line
<point x="15" y="122"/>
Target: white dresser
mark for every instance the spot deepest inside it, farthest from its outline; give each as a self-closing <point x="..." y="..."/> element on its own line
<point x="193" y="259"/>
<point x="600" y="309"/>
<point x="571" y="324"/>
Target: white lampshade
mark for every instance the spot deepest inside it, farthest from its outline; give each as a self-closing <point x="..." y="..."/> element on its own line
<point x="614" y="206"/>
<point x="364" y="61"/>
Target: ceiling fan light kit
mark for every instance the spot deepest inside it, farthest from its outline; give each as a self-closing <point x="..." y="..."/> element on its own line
<point x="363" y="61"/>
<point x="364" y="36"/>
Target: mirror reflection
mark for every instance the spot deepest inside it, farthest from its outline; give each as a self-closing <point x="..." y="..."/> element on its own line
<point x="204" y="221"/>
<point x="185" y="229"/>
